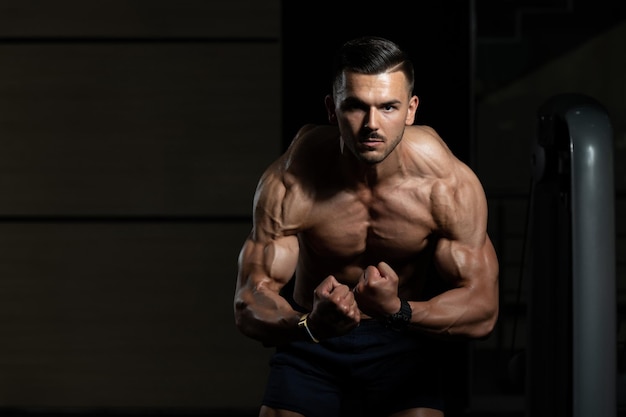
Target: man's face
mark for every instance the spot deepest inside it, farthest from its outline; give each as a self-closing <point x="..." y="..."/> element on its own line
<point x="372" y="112"/>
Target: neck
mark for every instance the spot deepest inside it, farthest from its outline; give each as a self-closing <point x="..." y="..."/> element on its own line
<point x="371" y="174"/>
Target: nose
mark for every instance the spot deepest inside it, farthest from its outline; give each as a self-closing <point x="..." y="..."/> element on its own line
<point x="371" y="121"/>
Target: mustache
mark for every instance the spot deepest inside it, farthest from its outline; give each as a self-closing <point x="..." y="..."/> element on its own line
<point x="372" y="135"/>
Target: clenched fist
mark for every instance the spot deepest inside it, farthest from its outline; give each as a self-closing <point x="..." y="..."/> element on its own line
<point x="377" y="291"/>
<point x="335" y="311"/>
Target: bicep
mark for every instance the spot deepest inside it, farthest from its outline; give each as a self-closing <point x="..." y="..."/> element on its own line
<point x="466" y="265"/>
<point x="269" y="264"/>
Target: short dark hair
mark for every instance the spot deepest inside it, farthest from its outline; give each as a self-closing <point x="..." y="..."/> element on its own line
<point x="371" y="55"/>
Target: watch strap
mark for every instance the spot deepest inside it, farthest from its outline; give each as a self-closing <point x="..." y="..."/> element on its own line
<point x="402" y="318"/>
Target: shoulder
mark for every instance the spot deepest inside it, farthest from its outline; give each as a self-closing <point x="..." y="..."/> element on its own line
<point x="277" y="204"/>
<point x="284" y="194"/>
<point x="458" y="200"/>
<point x="428" y="153"/>
<point x="313" y="138"/>
<point x="311" y="145"/>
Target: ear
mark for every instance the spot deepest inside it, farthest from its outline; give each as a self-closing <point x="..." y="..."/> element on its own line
<point x="410" y="115"/>
<point x="330" y="109"/>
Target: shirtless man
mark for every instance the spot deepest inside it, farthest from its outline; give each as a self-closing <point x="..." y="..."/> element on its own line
<point x="383" y="230"/>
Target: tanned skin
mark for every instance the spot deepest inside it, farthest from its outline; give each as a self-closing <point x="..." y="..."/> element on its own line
<point x="358" y="210"/>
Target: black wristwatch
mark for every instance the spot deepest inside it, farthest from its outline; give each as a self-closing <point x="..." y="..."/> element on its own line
<point x="402" y="318"/>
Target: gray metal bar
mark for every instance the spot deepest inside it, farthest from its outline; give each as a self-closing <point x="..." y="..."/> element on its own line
<point x="593" y="260"/>
<point x="575" y="154"/>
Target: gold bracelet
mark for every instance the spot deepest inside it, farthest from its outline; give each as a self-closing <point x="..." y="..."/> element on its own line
<point x="303" y="323"/>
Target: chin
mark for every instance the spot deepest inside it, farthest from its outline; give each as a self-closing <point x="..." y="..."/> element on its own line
<point x="372" y="159"/>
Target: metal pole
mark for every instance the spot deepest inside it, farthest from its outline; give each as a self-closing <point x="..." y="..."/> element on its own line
<point x="575" y="153"/>
<point x="593" y="257"/>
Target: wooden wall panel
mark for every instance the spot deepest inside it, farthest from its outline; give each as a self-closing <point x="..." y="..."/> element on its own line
<point x="123" y="315"/>
<point x="140" y="18"/>
<point x="134" y="128"/>
<point x="132" y="136"/>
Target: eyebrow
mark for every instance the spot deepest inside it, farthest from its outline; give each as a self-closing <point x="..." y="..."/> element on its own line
<point x="352" y="101"/>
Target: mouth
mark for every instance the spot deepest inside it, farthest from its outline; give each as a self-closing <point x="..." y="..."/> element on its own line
<point x="372" y="139"/>
<point x="372" y="143"/>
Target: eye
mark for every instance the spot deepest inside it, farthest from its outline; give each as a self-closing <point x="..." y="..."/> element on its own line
<point x="353" y="105"/>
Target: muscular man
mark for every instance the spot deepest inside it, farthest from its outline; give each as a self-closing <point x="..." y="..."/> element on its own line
<point x="383" y="231"/>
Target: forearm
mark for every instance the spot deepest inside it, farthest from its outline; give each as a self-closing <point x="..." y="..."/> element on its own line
<point x="269" y="319"/>
<point x="261" y="313"/>
<point x="470" y="307"/>
<point x="459" y="312"/>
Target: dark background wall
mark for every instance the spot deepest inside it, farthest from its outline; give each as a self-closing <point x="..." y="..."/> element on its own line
<point x="132" y="134"/>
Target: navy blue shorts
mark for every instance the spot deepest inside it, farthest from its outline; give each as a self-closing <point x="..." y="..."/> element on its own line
<point x="370" y="371"/>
